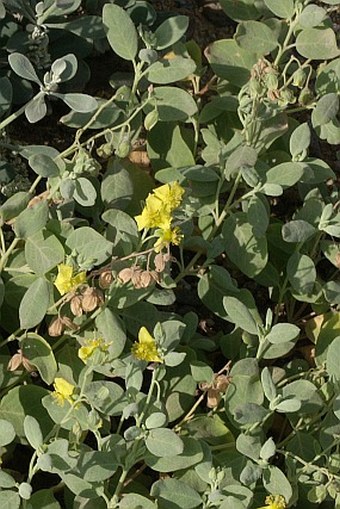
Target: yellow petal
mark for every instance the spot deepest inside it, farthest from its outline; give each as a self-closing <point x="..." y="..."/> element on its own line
<point x="144" y="336"/>
<point x="63" y="387"/>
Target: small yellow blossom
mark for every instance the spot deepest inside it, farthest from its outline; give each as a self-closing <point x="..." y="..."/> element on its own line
<point x="166" y="237"/>
<point x="153" y="215"/>
<point x="86" y="351"/>
<point x="274" y="502"/>
<point x="65" y="281"/>
<point x="146" y="349"/>
<point x="170" y="195"/>
<point x="159" y="206"/>
<point x="63" y="391"/>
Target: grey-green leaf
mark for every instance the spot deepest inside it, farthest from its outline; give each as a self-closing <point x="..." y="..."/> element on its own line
<point x="121" y="32"/>
<point x="240" y="315"/>
<point x="297" y="231"/>
<point x="22" y="66"/>
<point x="256" y="37"/>
<point x="34" y="303"/>
<point x="326" y="109"/>
<point x="163" y="442"/>
<point x="43" y="252"/>
<point x="170" y="31"/>
<point x="317" y="44"/>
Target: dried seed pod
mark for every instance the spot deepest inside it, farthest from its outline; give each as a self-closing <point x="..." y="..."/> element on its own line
<point x="67" y="322"/>
<point x="155" y="276"/>
<point x="105" y="279"/>
<point x="136" y="277"/>
<point x="91" y="299"/>
<point x="56" y="327"/>
<point x="76" y="305"/>
<point x="18" y="360"/>
<point x="125" y="275"/>
<point x="145" y="279"/>
<point x="160" y="262"/>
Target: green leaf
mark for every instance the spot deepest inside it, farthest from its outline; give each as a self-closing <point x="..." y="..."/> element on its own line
<point x="240" y="315"/>
<point x="268" y="449"/>
<point x="169" y="145"/>
<point x="230" y="62"/>
<point x="84" y="193"/>
<point x="249" y="413"/>
<point x="192" y="455"/>
<point x="248" y="252"/>
<point x="240" y="10"/>
<point x="282" y="9"/>
<point x="13" y="206"/>
<point x="327" y="79"/>
<point x="255" y="36"/>
<point x="135" y="500"/>
<point x="44" y="165"/>
<point x="275" y="481"/>
<point x="43" y="499"/>
<point x="117" y="186"/>
<point x="9" y="499"/>
<point x="22" y="66"/>
<point x="43" y="252"/>
<point x="249" y="446"/>
<point x="92" y="246"/>
<point x="174" y="494"/>
<point x="25" y="400"/>
<point x="242" y="157"/>
<point x="300" y="140"/>
<point x="34" y="303"/>
<point x="311" y="16"/>
<point x="6" y="480"/>
<point x="173" y="104"/>
<point x="33" y="432"/>
<point x="31" y="220"/>
<point x="297" y="231"/>
<point x="170" y="70"/>
<point x="201" y="372"/>
<point x="39" y="352"/>
<point x="6" y="94"/>
<point x="258" y="216"/>
<point x="301" y="273"/>
<point x="333" y="359"/>
<point x="111" y="327"/>
<point x="163" y="442"/>
<point x="285" y="174"/>
<point x="36" y="109"/>
<point x="7" y="432"/>
<point x="283" y="332"/>
<point x="268" y="385"/>
<point x="170" y="31"/>
<point x="81" y="103"/>
<point x="105" y="396"/>
<point x="317" y="44"/>
<point x="118" y="24"/>
<point x="326" y="109"/>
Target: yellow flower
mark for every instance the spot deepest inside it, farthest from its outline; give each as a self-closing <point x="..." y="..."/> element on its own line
<point x="65" y="281"/>
<point x="168" y="236"/>
<point x="159" y="206"/>
<point x="274" y="502"/>
<point x="86" y="351"/>
<point x="170" y="195"/>
<point x="154" y="215"/>
<point x="146" y="348"/>
<point x="63" y="391"/>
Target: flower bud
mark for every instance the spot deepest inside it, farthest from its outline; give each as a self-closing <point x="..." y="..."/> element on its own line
<point x="299" y="78"/>
<point x="123" y="149"/>
<point x="306" y="97"/>
<point x="105" y="279"/>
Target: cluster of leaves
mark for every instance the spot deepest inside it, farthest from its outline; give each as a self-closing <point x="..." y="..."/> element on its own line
<point x="241" y="214"/>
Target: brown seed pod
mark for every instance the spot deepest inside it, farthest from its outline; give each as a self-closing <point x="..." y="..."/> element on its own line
<point x="105" y="279"/>
<point x="56" y="327"/>
<point x="145" y="279"/>
<point x="76" y="305"/>
<point x="91" y="299"/>
<point x="18" y="360"/>
<point x="125" y="275"/>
